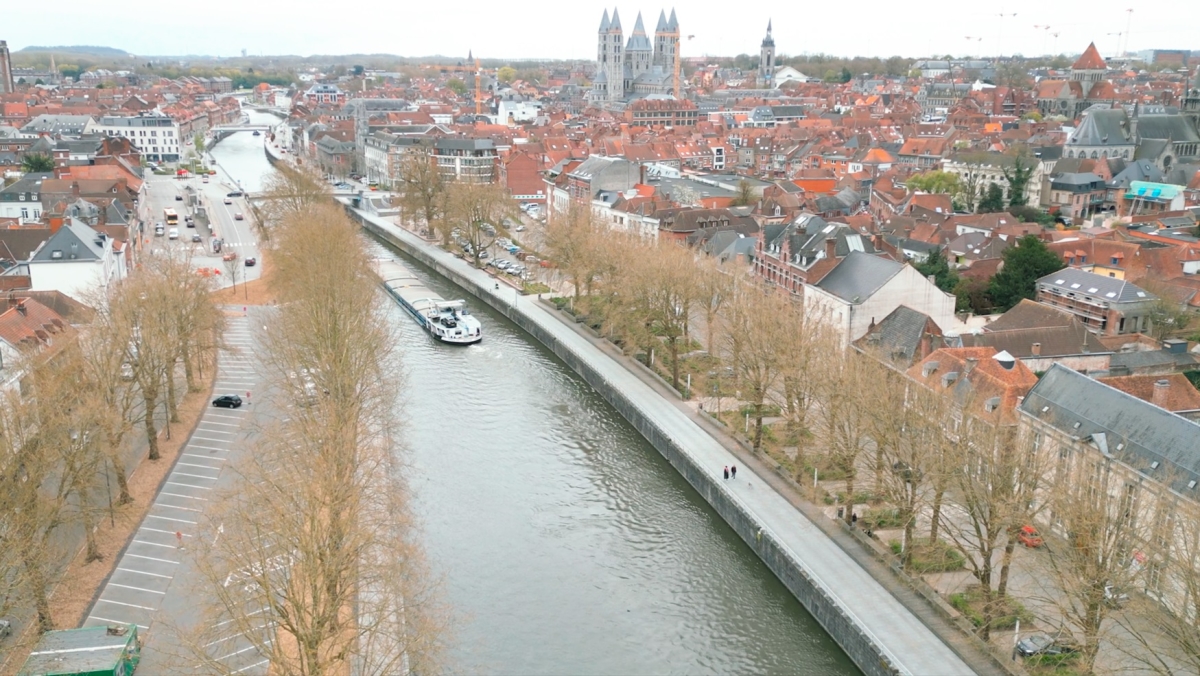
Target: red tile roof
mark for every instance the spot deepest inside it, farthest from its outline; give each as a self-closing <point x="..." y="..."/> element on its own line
<point x="1090" y="60"/>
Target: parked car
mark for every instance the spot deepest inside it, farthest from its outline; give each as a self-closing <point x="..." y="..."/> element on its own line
<point x="159" y="230"/>
<point x="5" y="628"/>
<point x="1044" y="644"/>
<point x="1115" y="597"/>
<point x="227" y="401"/>
<point x="519" y="228"/>
<point x="1030" y="537"/>
<point x="178" y="197"/>
<point x="126" y="371"/>
<point x="204" y="179"/>
<point x="251" y="262"/>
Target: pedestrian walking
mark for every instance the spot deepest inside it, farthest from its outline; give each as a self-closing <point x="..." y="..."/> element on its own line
<point x="733" y="471"/>
<point x="726" y="471"/>
<point x="853" y="519"/>
<point x="179" y="538"/>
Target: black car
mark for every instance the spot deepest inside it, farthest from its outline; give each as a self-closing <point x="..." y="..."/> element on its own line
<point x="235" y="193"/>
<point x="227" y="401"/>
<point x="179" y="198"/>
<point x="251" y="262"/>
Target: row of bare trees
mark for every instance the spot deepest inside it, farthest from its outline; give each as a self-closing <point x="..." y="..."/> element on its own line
<point x="312" y="555"/>
<point x="66" y="423"/>
<point x="954" y="473"/>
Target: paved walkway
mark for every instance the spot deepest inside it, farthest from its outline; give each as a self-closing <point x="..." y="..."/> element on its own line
<point x="909" y="643"/>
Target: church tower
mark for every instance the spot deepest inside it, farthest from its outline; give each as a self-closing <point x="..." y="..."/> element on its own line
<point x="1089" y="69"/>
<point x="766" y="61"/>
<point x="639" y="53"/>
<point x="614" y="66"/>
<point x="6" y="77"/>
<point x="1191" y="100"/>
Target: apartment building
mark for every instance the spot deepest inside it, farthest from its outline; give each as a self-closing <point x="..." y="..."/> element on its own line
<point x="157" y="136"/>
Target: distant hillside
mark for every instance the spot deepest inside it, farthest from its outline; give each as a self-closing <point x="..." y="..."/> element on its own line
<point x="79" y="49"/>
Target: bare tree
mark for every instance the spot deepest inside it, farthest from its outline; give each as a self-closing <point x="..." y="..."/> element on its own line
<point x="424" y="191"/>
<point x="312" y="555"/>
<point x="478" y="211"/>
<point x="846" y="383"/>
<point x="752" y="328"/>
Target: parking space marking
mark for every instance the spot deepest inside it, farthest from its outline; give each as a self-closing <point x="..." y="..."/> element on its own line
<point x="139" y="556"/>
<point x="213" y="422"/>
<point x="238" y="652"/>
<point x="208" y="431"/>
<point x="126" y="604"/>
<point x="212" y="439"/>
<point x="167" y="518"/>
<point x="194" y="476"/>
<point x="159" y="530"/>
<point x="256" y="664"/>
<point x="107" y="619"/>
<point x="143" y="572"/>
<point x="192" y="464"/>
<point x="178" y="495"/>
<point x="125" y="586"/>
<point x="154" y="544"/>
<point x="203" y="488"/>
<point x="202" y="457"/>
<point x="225" y="415"/>
<point x="209" y="448"/>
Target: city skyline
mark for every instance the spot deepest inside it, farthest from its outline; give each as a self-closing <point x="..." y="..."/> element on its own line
<point x="565" y="31"/>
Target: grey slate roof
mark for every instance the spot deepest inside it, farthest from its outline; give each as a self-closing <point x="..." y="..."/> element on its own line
<point x="638" y="40"/>
<point x="1101" y="126"/>
<point x="1103" y="288"/>
<point x="1118" y="424"/>
<point x="859" y="276"/>
<point x="57" y="124"/>
<point x="899" y="334"/>
<point x="1173" y="127"/>
<point x="77" y="242"/>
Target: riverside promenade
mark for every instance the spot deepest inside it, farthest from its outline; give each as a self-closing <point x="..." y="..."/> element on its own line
<point x="878" y="632"/>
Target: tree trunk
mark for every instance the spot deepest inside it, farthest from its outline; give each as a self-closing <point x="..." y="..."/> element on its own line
<point x="758" y="424"/>
<point x="1006" y="564"/>
<point x="189" y="373"/>
<point x="910" y="527"/>
<point x="848" y="512"/>
<point x="673" y="345"/>
<point x="172" y="404"/>
<point x="150" y="399"/>
<point x="89" y="529"/>
<point x="937" y="514"/>
<point x="38" y="588"/>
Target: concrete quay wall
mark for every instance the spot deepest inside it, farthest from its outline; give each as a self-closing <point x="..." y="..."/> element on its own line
<point x="845" y="621"/>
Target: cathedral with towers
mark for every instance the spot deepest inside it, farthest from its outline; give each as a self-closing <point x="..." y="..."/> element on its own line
<point x="635" y="68"/>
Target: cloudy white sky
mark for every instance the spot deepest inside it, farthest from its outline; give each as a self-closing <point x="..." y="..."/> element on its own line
<point x="567" y="28"/>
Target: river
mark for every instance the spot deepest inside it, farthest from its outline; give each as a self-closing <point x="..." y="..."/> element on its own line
<point x="563" y="541"/>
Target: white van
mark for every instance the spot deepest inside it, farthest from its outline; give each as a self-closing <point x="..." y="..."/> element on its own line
<point x="173" y="233"/>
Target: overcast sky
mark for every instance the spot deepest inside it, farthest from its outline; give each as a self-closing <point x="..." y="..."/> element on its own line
<point x="567" y="28"/>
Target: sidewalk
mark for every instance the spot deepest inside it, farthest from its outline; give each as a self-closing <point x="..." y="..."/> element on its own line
<point x="909" y="644"/>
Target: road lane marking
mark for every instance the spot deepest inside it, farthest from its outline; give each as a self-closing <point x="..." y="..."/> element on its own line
<point x="125" y="586"/>
<point x="142" y="572"/>
<point x="128" y="604"/>
<point x="239" y="652"/>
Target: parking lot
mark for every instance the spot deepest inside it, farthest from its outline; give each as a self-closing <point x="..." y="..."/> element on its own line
<point x="149" y="583"/>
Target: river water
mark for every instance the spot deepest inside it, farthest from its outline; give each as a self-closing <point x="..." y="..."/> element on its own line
<point x="565" y="544"/>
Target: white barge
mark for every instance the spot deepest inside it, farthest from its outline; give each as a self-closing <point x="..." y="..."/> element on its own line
<point x="447" y="320"/>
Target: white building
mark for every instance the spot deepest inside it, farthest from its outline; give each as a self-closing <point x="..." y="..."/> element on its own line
<point x="987" y="168"/>
<point x="77" y="261"/>
<point x="863" y="289"/>
<point x="154" y="134"/>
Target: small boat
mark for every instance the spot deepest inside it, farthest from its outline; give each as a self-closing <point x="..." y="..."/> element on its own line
<point x="447" y="320"/>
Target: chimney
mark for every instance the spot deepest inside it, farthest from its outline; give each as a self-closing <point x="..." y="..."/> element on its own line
<point x="75" y="188"/>
<point x="927" y="345"/>
<point x="1162" y="390"/>
<point x="830" y="248"/>
<point x="972" y="362"/>
<point x="1036" y="349"/>
<point x="24" y="311"/>
<point x="56" y="223"/>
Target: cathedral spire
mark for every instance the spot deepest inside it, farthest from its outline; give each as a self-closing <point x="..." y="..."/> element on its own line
<point x="604" y="22"/>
